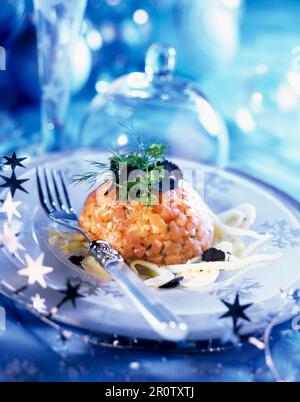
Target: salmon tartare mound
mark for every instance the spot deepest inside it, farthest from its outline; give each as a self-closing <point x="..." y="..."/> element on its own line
<point x="170" y="232"/>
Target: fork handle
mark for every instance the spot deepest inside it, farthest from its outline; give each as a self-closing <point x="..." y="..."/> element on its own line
<point x="163" y="321"/>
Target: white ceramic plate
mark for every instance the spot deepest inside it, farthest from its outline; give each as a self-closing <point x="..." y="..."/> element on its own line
<point x="105" y="309"/>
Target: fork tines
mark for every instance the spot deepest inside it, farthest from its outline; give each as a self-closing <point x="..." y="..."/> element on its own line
<point x="52" y="191"/>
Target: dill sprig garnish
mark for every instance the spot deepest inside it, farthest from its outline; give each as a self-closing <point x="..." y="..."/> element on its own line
<point x="93" y="176"/>
<point x="146" y="158"/>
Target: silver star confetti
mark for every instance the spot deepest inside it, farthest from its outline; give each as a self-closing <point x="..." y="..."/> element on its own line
<point x="9" y="207"/>
<point x="38" y="304"/>
<point x="9" y="239"/>
<point x="35" y="270"/>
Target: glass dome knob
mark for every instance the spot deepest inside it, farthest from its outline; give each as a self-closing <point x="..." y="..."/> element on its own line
<point x="160" y="60"/>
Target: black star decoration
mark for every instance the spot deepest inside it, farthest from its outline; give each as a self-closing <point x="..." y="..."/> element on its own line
<point x="71" y="294"/>
<point x="236" y="312"/>
<point x="13" y="183"/>
<point x="13" y="161"/>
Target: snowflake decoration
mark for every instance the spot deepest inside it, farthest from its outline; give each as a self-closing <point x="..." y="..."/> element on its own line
<point x="245" y="287"/>
<point x="10" y="207"/>
<point x="283" y="235"/>
<point x="9" y="239"/>
<point x="110" y="289"/>
<point x="214" y="183"/>
<point x="35" y="270"/>
<point x="39" y="304"/>
<point x="87" y="288"/>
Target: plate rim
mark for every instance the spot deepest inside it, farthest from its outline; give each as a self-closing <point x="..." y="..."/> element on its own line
<point x="278" y="194"/>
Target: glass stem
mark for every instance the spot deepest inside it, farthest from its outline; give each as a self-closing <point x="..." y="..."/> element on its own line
<point x="58" y="27"/>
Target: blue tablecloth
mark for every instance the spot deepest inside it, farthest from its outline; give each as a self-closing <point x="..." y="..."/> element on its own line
<point x="30" y="351"/>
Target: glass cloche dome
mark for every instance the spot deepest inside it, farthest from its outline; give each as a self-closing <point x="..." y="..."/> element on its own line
<point x="157" y="106"/>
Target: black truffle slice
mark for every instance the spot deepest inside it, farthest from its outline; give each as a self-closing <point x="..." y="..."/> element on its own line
<point x="76" y="259"/>
<point x="213" y="254"/>
<point x="172" y="283"/>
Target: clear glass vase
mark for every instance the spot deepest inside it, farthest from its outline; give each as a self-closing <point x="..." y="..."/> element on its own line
<point x="58" y="26"/>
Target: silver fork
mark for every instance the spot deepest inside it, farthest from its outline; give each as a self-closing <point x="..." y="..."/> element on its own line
<point x="56" y="202"/>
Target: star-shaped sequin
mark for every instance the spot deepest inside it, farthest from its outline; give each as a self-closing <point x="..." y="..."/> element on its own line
<point x="71" y="294"/>
<point x="35" y="270"/>
<point x="38" y="304"/>
<point x="13" y="161"/>
<point x="13" y="183"/>
<point x="9" y="239"/>
<point x="236" y="312"/>
<point x="9" y="208"/>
